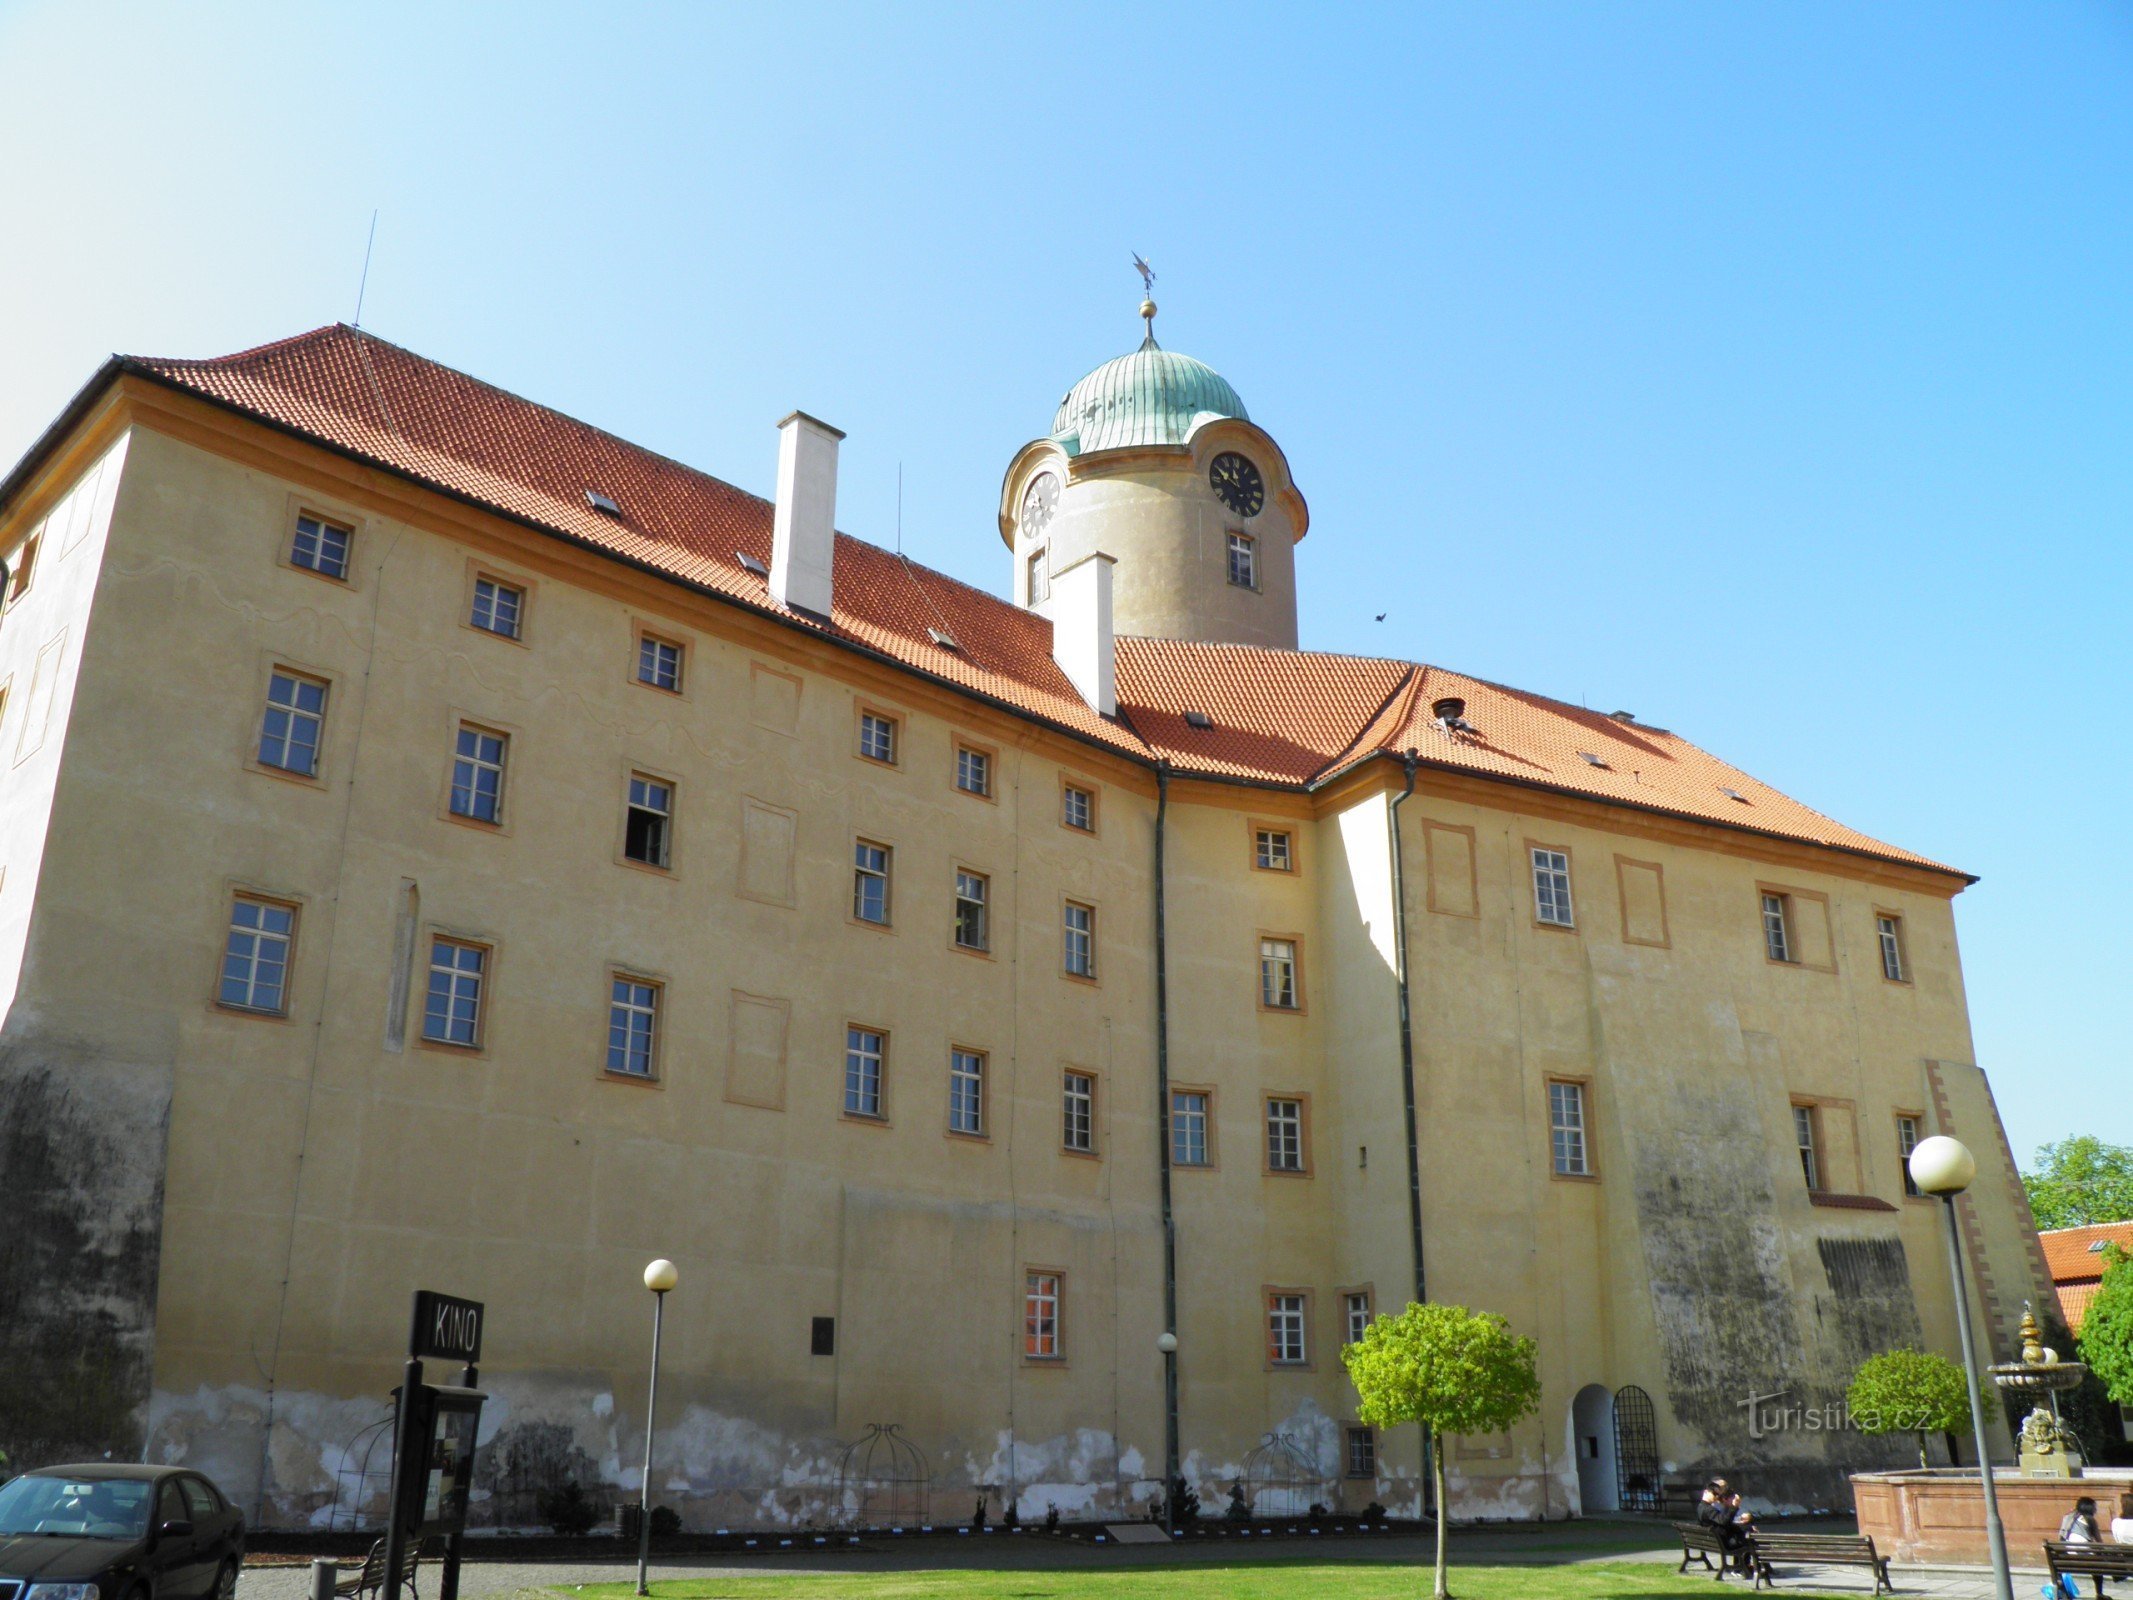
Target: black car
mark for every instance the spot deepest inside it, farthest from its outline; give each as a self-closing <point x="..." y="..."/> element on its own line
<point x="105" y="1532"/>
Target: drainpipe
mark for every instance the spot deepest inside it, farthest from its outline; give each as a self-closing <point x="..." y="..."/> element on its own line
<point x="1162" y="1123"/>
<point x="1407" y="1086"/>
<point x="1407" y="1031"/>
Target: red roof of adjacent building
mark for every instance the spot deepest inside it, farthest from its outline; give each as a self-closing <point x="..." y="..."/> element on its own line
<point x="1279" y="717"/>
<point x="2075" y="1255"/>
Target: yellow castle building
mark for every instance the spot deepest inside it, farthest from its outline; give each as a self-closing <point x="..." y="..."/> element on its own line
<point x="446" y="846"/>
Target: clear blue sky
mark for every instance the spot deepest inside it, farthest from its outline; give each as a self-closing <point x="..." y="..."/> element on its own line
<point x="1761" y="369"/>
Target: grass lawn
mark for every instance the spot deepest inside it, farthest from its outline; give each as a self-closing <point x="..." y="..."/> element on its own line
<point x="1196" y="1580"/>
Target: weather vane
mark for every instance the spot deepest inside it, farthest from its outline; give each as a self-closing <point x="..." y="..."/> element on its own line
<point x="1147" y="291"/>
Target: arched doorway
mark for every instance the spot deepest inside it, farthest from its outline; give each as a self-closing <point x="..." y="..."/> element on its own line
<point x="1592" y="1437"/>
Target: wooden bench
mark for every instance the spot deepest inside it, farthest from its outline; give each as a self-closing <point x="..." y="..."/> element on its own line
<point x="370" y="1582"/>
<point x="1766" y="1550"/>
<point x="2087" y="1560"/>
<point x="1700" y="1544"/>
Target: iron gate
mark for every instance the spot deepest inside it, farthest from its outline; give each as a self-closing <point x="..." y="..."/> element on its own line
<point x="1636" y="1451"/>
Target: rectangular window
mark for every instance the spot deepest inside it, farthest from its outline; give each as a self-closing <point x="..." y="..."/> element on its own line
<point x="295" y="723"/>
<point x="1906" y="1142"/>
<point x="453" y="1014"/>
<point x="648" y="822"/>
<point x="478" y="774"/>
<point x="320" y="546"/>
<point x="632" y="1026"/>
<point x="659" y="662"/>
<point x="498" y="607"/>
<point x="1355" y="1315"/>
<point x="1362" y="1453"/>
<point x="1551" y="888"/>
<point x="1080" y="1106"/>
<point x="1077" y="809"/>
<point x="1270" y="850"/>
<point x="1080" y="940"/>
<point x="864" y="1051"/>
<point x="870" y="882"/>
<point x="1566" y="1129"/>
<point x="1243" y="560"/>
<point x="1284" y="1135"/>
<point x="973" y="771"/>
<point x="255" y="958"/>
<point x="1040" y="1316"/>
<point x="877" y="737"/>
<point x="1803" y="1129"/>
<point x="1188" y="1128"/>
<point x="1040" y="577"/>
<point x="1277" y="974"/>
<point x="1777" y="927"/>
<point x="972" y="928"/>
<point x="1285" y="1330"/>
<point x="1890" y="931"/>
<point x="966" y="1092"/>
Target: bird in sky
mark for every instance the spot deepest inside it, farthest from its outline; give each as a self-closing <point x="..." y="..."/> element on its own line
<point x="1381" y="616"/>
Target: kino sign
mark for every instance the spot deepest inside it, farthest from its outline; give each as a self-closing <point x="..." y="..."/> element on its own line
<point x="446" y="1328"/>
<point x="435" y="1431"/>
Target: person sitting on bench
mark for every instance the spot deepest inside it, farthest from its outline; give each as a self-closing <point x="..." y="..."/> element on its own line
<point x="1720" y="1511"/>
<point x="2078" y="1526"/>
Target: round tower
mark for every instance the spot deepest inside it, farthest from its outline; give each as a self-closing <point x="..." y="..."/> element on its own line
<point x="1153" y="461"/>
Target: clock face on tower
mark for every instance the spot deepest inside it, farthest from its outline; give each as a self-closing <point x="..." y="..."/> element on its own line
<point x="1237" y="484"/>
<point x="1039" y="501"/>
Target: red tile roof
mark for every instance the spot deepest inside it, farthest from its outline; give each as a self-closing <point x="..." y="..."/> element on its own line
<point x="1279" y="716"/>
<point x="2074" y="1300"/>
<point x="2071" y="1253"/>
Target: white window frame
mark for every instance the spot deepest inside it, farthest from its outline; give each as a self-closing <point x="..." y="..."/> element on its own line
<point x="293" y="715"/>
<point x="1040" y="574"/>
<point x="632" y="1016"/>
<point x="1908" y="1133"/>
<point x="1067" y="796"/>
<point x="256" y="947"/>
<point x="498" y="608"/>
<point x="1243" y="560"/>
<point x="1273" y="850"/>
<point x="1191" y="1128"/>
<point x="640" y="797"/>
<point x="1284" y="1133"/>
<point x="1568" y="1143"/>
<point x="1079" y="942"/>
<point x="1808" y="1136"/>
<point x="1279" y="989"/>
<point x="1552" y="903"/>
<point x="1777" y="927"/>
<point x="871" y="865"/>
<point x="877" y="737"/>
<point x="973" y="910"/>
<point x="1888" y="929"/>
<point x="1287" y="1329"/>
<point x="1367" y="1460"/>
<point x="459" y="988"/>
<point x="659" y="662"/>
<point x="330" y="546"/>
<point x="966" y="1092"/>
<point x="469" y="768"/>
<point x="1077" y="1093"/>
<point x="1043" y="1326"/>
<point x="1355" y="1314"/>
<point x="973" y="771"/>
<point x="866" y="1054"/>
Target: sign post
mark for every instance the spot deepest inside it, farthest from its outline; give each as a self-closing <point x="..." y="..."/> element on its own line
<point x="434" y="1431"/>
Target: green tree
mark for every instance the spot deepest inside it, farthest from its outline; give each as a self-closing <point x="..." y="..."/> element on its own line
<point x="1455" y="1371"/>
<point x="2079" y="1181"/>
<point x="1912" y="1391"/>
<point x="2107" y="1330"/>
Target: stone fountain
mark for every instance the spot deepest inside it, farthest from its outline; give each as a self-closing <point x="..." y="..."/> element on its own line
<point x="2048" y="1448"/>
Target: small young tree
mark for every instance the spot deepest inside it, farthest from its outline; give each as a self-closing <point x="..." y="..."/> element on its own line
<point x="2081" y="1180"/>
<point x="2107" y="1330"/>
<point x="1911" y="1391"/>
<point x="1455" y="1371"/>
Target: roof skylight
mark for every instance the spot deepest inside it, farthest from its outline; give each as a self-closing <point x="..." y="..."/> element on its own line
<point x="1198" y="719"/>
<point x="602" y="503"/>
<point x="750" y="564"/>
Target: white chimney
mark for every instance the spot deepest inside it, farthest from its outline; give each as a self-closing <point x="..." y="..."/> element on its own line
<point x="1081" y="630"/>
<point x="803" y="533"/>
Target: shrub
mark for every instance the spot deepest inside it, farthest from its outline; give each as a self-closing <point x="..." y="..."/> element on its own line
<point x="568" y="1510"/>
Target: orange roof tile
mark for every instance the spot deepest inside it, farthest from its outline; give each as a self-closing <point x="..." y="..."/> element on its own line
<point x="2074" y="1300"/>
<point x="2071" y="1253"/>
<point x="1292" y="718"/>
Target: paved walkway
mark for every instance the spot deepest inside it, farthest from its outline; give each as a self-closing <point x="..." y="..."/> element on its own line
<point x="481" y="1579"/>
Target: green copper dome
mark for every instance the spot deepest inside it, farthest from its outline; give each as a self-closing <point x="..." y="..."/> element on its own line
<point x="1152" y="396"/>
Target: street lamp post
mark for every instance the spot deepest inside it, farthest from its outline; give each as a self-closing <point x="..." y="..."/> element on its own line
<point x="1943" y="1167"/>
<point x="1167" y="1342"/>
<point x="659" y="1277"/>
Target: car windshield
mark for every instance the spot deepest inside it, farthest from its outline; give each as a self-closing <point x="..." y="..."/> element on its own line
<point x="76" y="1508"/>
